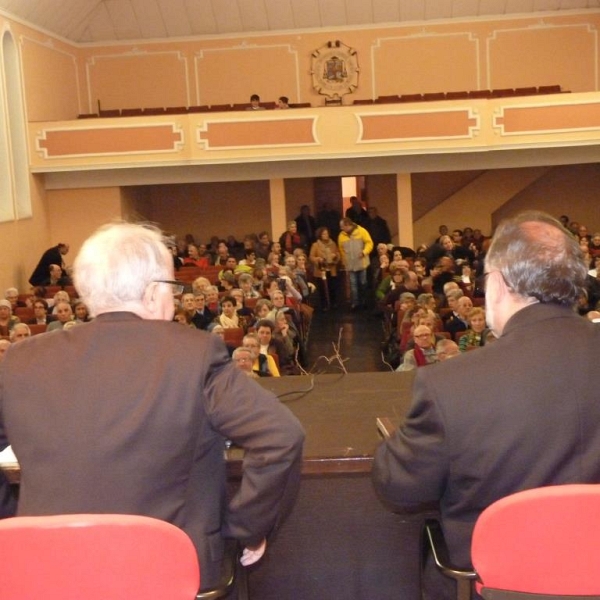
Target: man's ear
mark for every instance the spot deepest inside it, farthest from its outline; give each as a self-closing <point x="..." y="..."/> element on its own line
<point x="150" y="300"/>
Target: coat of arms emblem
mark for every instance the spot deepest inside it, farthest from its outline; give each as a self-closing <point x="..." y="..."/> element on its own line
<point x="335" y="70"/>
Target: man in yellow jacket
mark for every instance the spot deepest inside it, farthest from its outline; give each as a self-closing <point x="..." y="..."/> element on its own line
<point x="355" y="246"/>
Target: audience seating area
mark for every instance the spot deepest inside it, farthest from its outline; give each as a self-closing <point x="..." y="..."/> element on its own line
<point x="182" y="110"/>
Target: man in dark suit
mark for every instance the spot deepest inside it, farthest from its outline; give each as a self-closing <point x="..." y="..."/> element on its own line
<point x="520" y="413"/>
<point x="52" y="256"/>
<point x="138" y="419"/>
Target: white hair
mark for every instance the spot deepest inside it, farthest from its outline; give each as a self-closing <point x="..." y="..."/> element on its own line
<point x="117" y="263"/>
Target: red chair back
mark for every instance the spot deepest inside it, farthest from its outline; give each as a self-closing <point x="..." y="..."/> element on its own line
<point x="96" y="557"/>
<point x="541" y="541"/>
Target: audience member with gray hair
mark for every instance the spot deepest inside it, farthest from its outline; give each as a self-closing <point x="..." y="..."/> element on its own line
<point x="138" y="423"/>
<point x="20" y="332"/>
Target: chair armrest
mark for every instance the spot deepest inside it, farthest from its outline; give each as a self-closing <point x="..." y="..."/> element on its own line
<point x="439" y="551"/>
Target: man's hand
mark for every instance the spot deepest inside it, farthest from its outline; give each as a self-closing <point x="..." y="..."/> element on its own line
<point x="254" y="554"/>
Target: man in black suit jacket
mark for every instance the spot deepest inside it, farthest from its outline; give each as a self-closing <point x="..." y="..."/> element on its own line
<point x="520" y="413"/>
<point x="138" y="419"/>
<point x="52" y="256"/>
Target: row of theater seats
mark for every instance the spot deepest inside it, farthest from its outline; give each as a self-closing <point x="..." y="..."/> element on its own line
<point x="181" y="110"/>
<point x="464" y="95"/>
<point x="435" y="96"/>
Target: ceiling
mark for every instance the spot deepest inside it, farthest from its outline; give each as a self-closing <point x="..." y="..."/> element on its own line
<point x="88" y="21"/>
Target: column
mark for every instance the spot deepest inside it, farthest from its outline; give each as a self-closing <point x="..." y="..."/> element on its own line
<point x="405" y="213"/>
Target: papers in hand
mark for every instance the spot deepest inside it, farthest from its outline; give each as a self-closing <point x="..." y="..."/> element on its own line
<point x="8" y="458"/>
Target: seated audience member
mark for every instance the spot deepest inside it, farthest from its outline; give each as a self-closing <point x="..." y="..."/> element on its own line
<point x="249" y="259"/>
<point x="477" y="333"/>
<point x="270" y="345"/>
<point x="40" y="313"/>
<point x="459" y="322"/>
<point x="228" y="318"/>
<point x="160" y="418"/>
<point x="12" y="295"/>
<point x="242" y="357"/>
<point x="594" y="245"/>
<point x="80" y="311"/>
<point x="263" y="365"/>
<point x="203" y="317"/>
<point x="263" y="246"/>
<point x="200" y="284"/>
<point x="56" y="276"/>
<point x="406" y="304"/>
<point x="286" y="333"/>
<point x="262" y="309"/>
<point x="282" y="103"/>
<point x="255" y="103"/>
<point x="211" y="293"/>
<point x="273" y="263"/>
<point x="393" y="281"/>
<point x="246" y="282"/>
<point x="194" y="259"/>
<point x="427" y="301"/>
<point x="423" y="352"/>
<point x="7" y="319"/>
<point x="227" y="282"/>
<point x="442" y="273"/>
<point x="188" y="305"/>
<point x="259" y="277"/>
<point x="410" y="283"/>
<point x="452" y="297"/>
<point x="60" y="296"/>
<point x="245" y="314"/>
<point x="182" y="316"/>
<point x="4" y="346"/>
<point x="420" y="268"/>
<point x="63" y="313"/>
<point x="446" y="349"/>
<point x="222" y="253"/>
<point x="20" y="332"/>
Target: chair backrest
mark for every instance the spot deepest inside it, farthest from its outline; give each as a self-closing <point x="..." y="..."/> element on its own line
<point x="96" y="557"/>
<point x="541" y="541"/>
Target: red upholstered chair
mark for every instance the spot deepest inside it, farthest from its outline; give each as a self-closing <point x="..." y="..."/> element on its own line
<point x="540" y="544"/>
<point x="543" y="542"/>
<point x="96" y="557"/>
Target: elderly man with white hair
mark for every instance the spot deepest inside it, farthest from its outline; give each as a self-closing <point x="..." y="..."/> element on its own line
<point x="138" y="422"/>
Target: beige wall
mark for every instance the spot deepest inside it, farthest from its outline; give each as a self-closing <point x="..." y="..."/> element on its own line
<point x="209" y="209"/>
<point x="574" y="191"/>
<point x="428" y="57"/>
<point x="494" y="195"/>
<point x="75" y="214"/>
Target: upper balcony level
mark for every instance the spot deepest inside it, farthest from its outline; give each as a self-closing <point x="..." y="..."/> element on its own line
<point x="372" y="138"/>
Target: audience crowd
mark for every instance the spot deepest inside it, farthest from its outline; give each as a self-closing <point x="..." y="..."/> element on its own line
<point x="259" y="294"/>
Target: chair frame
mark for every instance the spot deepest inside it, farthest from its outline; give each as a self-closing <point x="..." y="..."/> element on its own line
<point x="436" y="545"/>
